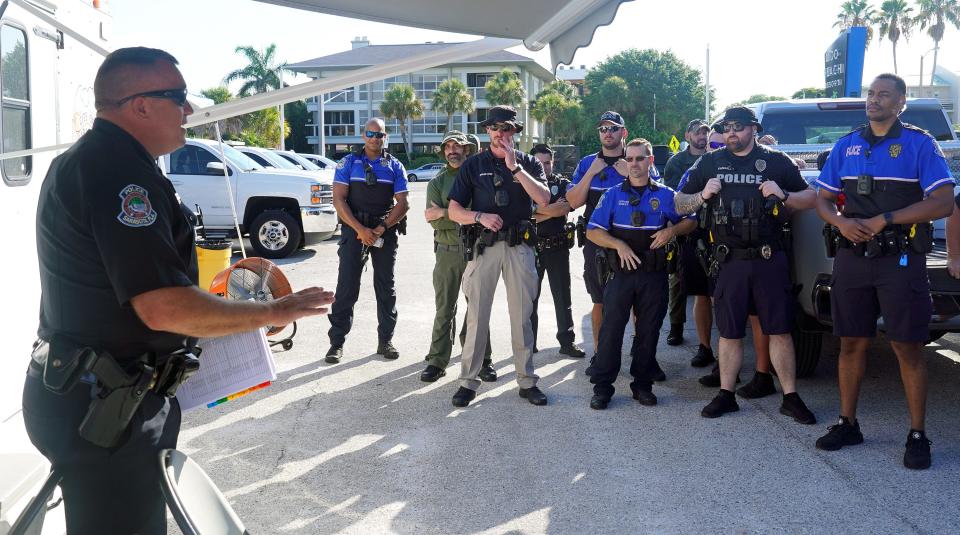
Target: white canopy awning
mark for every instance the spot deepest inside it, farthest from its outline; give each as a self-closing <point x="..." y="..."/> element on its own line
<point x="564" y="25"/>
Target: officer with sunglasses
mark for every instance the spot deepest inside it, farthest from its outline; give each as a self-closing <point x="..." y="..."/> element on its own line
<point x="370" y="195"/>
<point x="120" y="309"/>
<point x="748" y="186"/>
<point x="630" y="225"/>
<point x="500" y="186"/>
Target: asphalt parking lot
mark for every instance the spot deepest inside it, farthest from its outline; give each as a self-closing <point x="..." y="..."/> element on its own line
<point x="364" y="447"/>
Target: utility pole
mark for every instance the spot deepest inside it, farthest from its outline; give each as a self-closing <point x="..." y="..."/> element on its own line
<point x="654" y="112"/>
<point x="280" y="84"/>
<point x="706" y="90"/>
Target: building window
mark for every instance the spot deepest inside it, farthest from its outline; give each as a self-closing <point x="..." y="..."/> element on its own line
<point x="435" y="123"/>
<point x="426" y="84"/>
<point x="379" y="87"/>
<point x="338" y="123"/>
<point x="343" y="96"/>
<point x="14" y="104"/>
<point x="476" y="82"/>
<point x="474" y="119"/>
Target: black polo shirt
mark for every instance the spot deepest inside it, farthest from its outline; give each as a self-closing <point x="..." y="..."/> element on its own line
<point x="109" y="227"/>
<point x="474" y="186"/>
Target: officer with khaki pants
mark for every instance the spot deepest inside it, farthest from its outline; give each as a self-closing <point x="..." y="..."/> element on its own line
<point x="500" y="185"/>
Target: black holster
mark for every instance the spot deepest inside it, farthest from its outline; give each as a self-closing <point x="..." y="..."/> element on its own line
<point x="581" y="231"/>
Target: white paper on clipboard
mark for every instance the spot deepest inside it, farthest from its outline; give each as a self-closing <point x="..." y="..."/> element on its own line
<point x="228" y="364"/>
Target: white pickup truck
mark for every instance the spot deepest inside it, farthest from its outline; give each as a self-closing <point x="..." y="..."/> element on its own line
<point x="804" y="129"/>
<point x="280" y="209"/>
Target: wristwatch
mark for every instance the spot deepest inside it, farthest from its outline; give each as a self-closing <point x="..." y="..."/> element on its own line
<point x="786" y="195"/>
<point x="888" y="218"/>
<point x="516" y="169"/>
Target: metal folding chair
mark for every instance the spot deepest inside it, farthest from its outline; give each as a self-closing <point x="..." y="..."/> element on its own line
<point x="196" y="503"/>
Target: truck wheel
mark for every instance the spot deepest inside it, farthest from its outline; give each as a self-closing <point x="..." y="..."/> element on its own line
<point x="275" y="234"/>
<point x="807" y="346"/>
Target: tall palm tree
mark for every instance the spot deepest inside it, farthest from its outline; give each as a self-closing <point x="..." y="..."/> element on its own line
<point x="452" y="97"/>
<point x="260" y="74"/>
<point x="400" y="102"/>
<point x="856" y="13"/>
<point x="896" y="21"/>
<point x="505" y="88"/>
<point x="936" y="14"/>
<point x="561" y="87"/>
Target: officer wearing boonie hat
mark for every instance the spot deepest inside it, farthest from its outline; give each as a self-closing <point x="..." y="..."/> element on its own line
<point x="449" y="265"/>
<point x="555" y="237"/>
<point x="748" y="185"/>
<point x="500" y="186"/>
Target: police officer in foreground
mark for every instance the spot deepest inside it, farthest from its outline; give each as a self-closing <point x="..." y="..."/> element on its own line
<point x="630" y="224"/>
<point x="449" y="266"/>
<point x="747" y="186"/>
<point x="500" y="185"/>
<point x="595" y="174"/>
<point x="896" y="181"/>
<point x="555" y="237"/>
<point x="370" y="195"/>
<point x="690" y="279"/>
<point x="120" y="310"/>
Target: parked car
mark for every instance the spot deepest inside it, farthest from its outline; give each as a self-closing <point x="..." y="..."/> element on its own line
<point x="424" y="172"/>
<point x="320" y="161"/>
<point x="298" y="160"/>
<point x="280" y="209"/>
<point x="268" y="158"/>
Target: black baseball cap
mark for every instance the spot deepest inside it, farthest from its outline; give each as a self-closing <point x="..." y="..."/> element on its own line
<point x="503" y="114"/>
<point x="541" y="148"/>
<point x="697" y="124"/>
<point x="611" y="116"/>
<point x="740" y="114"/>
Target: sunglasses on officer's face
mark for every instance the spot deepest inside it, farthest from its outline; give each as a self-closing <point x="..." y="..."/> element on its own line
<point x="178" y="96"/>
<point x="732" y="126"/>
<point x="609" y="129"/>
<point x="630" y="159"/>
<point x="371" y="134"/>
<point x="717" y="145"/>
<point x="502" y="127"/>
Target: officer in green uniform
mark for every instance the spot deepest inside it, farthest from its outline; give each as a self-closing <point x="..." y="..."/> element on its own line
<point x="450" y="263"/>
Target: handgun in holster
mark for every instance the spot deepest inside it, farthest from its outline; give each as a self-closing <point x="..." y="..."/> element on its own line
<point x="569" y="234"/>
<point x="527" y="233"/>
<point x="920" y="236"/>
<point x="831" y="240"/>
<point x="402" y="226"/>
<point x="603" y="267"/>
<point x="672" y="250"/>
<point x="119" y="395"/>
<point x="581" y="231"/>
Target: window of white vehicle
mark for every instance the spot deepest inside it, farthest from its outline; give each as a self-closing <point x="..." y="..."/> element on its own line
<point x="239" y="159"/>
<point x="302" y="162"/>
<point x="277" y="161"/>
<point x="14" y="103"/>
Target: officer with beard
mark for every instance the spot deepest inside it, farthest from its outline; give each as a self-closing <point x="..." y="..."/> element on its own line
<point x="748" y="185"/>
<point x="449" y="266"/>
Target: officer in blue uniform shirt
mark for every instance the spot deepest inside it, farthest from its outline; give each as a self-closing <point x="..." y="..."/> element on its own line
<point x="370" y="195"/>
<point x="629" y="226"/>
<point x="895" y="180"/>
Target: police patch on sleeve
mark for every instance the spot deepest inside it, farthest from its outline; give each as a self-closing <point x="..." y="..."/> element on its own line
<point x="342" y="163"/>
<point x="135" y="207"/>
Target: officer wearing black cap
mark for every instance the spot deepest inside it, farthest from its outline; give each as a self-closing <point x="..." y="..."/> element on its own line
<point x="555" y="237"/>
<point x="630" y="224"/>
<point x="748" y="185"/>
<point x="696" y="135"/>
<point x="120" y="310"/>
<point x="500" y="186"/>
<point x="896" y="181"/>
<point x="370" y="195"/>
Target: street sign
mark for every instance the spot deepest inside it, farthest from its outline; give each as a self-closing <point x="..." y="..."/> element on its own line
<point x="674" y="143"/>
<point x="843" y="63"/>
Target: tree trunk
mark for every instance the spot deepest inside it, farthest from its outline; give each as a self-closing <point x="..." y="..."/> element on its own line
<point x="933" y="71"/>
<point x="449" y="120"/>
<point x="410" y="141"/>
<point x="895" y="58"/>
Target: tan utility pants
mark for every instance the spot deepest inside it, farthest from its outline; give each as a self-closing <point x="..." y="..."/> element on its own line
<point x="518" y="266"/>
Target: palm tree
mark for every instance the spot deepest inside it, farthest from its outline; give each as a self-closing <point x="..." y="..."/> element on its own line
<point x="260" y="74"/>
<point x="551" y="109"/>
<point x="896" y="20"/>
<point x="452" y="97"/>
<point x="856" y="13"/>
<point x="505" y="88"/>
<point x="561" y="87"/>
<point x="936" y="14"/>
<point x="400" y="102"/>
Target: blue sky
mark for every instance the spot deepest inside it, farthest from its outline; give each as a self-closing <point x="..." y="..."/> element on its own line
<point x="771" y="46"/>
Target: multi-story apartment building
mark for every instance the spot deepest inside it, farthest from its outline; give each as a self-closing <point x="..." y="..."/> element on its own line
<point x="346" y="111"/>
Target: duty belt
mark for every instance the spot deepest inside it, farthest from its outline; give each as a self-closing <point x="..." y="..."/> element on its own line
<point x="557" y="241"/>
<point x="764" y="252"/>
<point x="894" y="240"/>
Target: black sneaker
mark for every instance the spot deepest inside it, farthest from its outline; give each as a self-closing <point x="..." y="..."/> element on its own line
<point x="658" y="375"/>
<point x="334" y="355"/>
<point x="533" y="395"/>
<point x="917" y="456"/>
<point x="675" y="337"/>
<point x="645" y="397"/>
<point x="463" y="397"/>
<point x="431" y="373"/>
<point x="703" y="358"/>
<point x="712" y="379"/>
<point x="487" y="374"/>
<point x="387" y="350"/>
<point x="760" y="386"/>
<point x="598" y="402"/>
<point x="722" y="403"/>
<point x="795" y="408"/>
<point x="572" y="351"/>
<point x="842" y="434"/>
